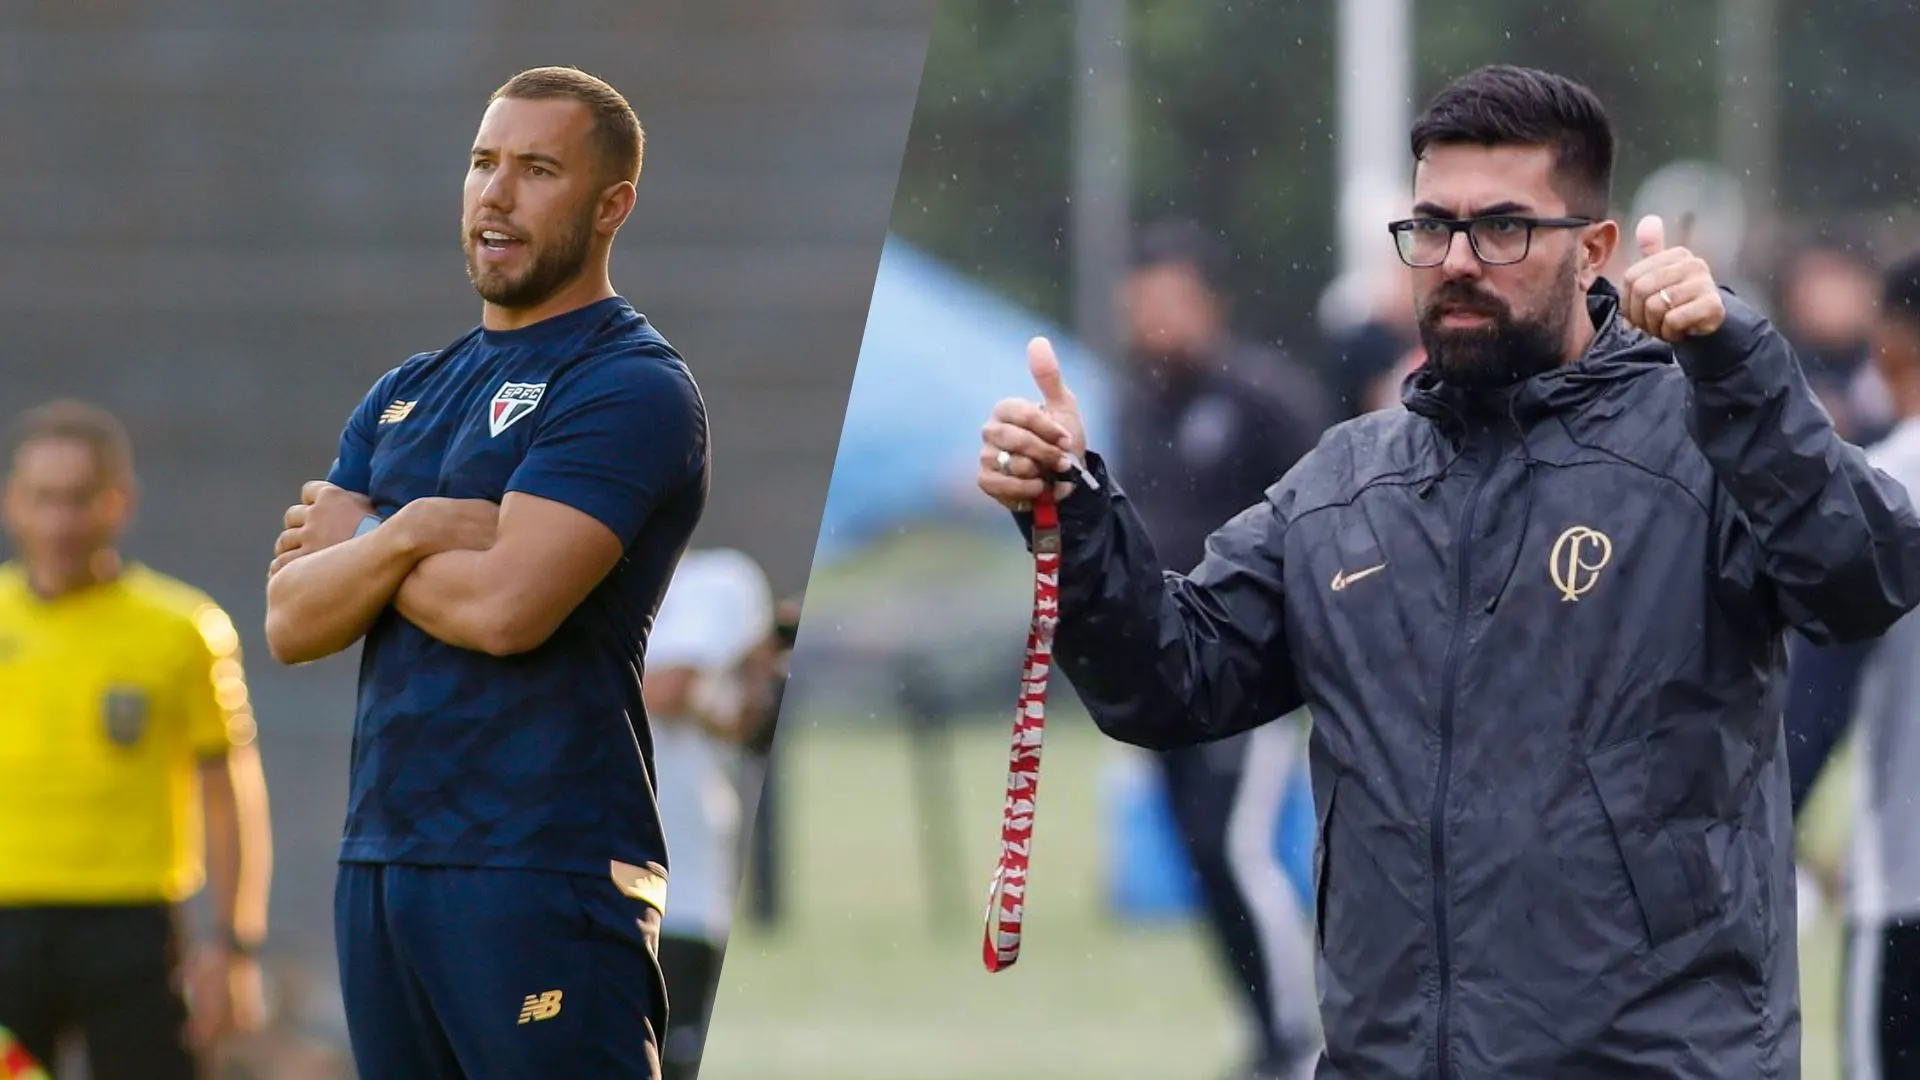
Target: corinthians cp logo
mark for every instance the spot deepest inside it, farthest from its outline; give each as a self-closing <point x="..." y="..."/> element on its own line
<point x="1577" y="559"/>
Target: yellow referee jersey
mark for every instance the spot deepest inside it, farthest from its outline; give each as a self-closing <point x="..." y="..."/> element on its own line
<point x="109" y="699"/>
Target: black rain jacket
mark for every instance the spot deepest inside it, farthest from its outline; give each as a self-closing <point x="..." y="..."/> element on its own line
<point x="1540" y="635"/>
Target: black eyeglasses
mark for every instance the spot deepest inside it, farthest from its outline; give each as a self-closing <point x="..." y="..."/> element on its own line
<point x="1499" y="240"/>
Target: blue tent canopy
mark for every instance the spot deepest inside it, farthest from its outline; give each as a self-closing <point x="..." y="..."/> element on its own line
<point x="939" y="350"/>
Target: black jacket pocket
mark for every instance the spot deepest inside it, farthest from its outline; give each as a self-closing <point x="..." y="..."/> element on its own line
<point x="1668" y="866"/>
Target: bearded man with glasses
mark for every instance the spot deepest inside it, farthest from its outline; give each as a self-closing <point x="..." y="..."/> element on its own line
<point x="1536" y="618"/>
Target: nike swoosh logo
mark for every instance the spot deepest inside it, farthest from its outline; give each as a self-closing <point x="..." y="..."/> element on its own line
<point x="1343" y="579"/>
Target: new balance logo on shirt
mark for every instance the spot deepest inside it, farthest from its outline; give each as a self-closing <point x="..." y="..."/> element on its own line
<point x="540" y="1007"/>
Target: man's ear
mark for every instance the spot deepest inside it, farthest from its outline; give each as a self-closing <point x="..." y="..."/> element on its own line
<point x="616" y="202"/>
<point x="1598" y="243"/>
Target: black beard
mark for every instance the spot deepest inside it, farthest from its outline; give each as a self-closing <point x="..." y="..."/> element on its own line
<point x="1501" y="355"/>
<point x="1505" y="352"/>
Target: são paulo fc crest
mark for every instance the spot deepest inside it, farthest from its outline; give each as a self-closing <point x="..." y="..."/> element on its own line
<point x="512" y="404"/>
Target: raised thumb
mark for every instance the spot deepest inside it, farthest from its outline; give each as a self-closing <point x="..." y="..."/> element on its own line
<point x="1651" y="235"/>
<point x="1045" y="369"/>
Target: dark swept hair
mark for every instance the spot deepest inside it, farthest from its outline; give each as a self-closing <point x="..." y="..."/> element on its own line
<point x="1900" y="291"/>
<point x="1180" y="242"/>
<point x="81" y="422"/>
<point x="1505" y="105"/>
<point x="616" y="130"/>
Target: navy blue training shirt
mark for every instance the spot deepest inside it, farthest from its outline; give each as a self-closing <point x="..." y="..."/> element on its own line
<point x="541" y="760"/>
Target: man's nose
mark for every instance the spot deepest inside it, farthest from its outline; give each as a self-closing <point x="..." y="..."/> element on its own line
<point x="1461" y="260"/>
<point x="497" y="193"/>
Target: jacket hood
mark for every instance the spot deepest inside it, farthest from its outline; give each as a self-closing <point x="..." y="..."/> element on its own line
<point x="1618" y="352"/>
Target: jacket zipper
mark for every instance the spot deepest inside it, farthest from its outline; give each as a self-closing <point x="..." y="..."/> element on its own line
<point x="1436" y="822"/>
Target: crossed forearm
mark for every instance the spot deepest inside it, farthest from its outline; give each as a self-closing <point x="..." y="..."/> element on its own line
<point x="322" y="603"/>
<point x="439" y="564"/>
<point x="453" y="597"/>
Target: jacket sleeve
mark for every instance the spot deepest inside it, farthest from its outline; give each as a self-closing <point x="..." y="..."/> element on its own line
<point x="1162" y="659"/>
<point x="1838" y="541"/>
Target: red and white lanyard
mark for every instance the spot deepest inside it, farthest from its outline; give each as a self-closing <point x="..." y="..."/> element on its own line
<point x="1006" y="901"/>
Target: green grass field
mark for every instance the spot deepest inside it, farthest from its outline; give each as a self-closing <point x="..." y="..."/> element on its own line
<point x="863" y="983"/>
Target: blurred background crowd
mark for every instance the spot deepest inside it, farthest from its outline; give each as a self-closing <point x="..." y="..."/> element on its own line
<point x="1191" y="201"/>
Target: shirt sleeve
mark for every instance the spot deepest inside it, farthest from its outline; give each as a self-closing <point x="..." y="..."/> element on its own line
<point x="218" y="710"/>
<point x="621" y="437"/>
<point x="353" y="468"/>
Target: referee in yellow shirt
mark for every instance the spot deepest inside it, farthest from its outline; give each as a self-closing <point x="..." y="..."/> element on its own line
<point x="128" y="776"/>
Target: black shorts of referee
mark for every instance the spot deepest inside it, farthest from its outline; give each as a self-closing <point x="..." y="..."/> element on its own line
<point x="110" y="974"/>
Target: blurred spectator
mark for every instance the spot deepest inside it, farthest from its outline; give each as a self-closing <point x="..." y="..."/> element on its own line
<point x="1883" y="909"/>
<point x="1369" y="358"/>
<point x="1206" y="423"/>
<point x="704" y="688"/>
<point x="1207" y="420"/>
<point x="1828" y="291"/>
<point x="768" y="670"/>
<point x="130" y="741"/>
